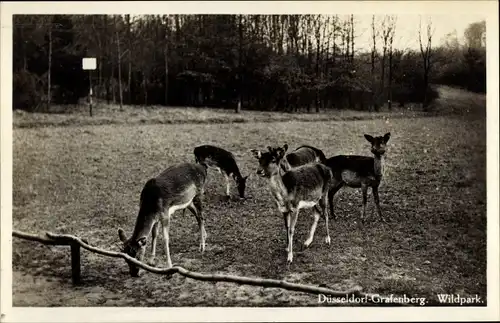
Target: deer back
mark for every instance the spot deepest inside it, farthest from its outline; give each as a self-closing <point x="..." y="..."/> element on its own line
<point x="304" y="155"/>
<point x="180" y="182"/>
<point x="217" y="157"/>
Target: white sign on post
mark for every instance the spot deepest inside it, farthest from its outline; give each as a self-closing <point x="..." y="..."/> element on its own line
<point x="89" y="63"/>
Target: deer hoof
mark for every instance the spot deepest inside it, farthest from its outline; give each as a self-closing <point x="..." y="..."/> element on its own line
<point x="307" y="243"/>
<point x="152" y="262"/>
<point x="328" y="240"/>
<point x="289" y="258"/>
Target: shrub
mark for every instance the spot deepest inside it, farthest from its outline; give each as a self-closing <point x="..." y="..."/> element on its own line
<point x="28" y="91"/>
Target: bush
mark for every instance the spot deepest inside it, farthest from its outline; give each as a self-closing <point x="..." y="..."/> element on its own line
<point x="28" y="91"/>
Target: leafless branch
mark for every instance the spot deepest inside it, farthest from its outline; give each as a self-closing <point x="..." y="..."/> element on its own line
<point x="64" y="239"/>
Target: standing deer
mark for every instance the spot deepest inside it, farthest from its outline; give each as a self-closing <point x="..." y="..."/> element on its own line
<point x="302" y="187"/>
<point x="301" y="156"/>
<point x="359" y="172"/>
<point x="224" y="162"/>
<point x="178" y="187"/>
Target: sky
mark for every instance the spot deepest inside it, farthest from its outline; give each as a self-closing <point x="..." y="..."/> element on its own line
<point x="407" y="28"/>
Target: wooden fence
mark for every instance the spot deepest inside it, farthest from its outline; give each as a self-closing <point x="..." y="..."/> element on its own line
<point x="76" y="243"/>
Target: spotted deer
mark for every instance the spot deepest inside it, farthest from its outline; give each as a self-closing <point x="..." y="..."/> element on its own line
<point x="359" y="172"/>
<point x="178" y="187"/>
<point x="225" y="163"/>
<point x="301" y="187"/>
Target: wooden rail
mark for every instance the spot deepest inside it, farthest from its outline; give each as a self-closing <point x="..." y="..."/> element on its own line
<point x="75" y="243"/>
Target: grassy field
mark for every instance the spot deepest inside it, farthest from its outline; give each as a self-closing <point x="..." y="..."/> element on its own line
<point x="86" y="180"/>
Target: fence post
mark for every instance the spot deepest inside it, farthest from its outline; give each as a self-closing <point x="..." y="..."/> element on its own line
<point x="75" y="263"/>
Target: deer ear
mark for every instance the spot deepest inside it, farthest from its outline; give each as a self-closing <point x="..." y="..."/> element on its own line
<point x="256" y="153"/>
<point x="141" y="241"/>
<point x="285" y="148"/>
<point x="387" y="136"/>
<point x="121" y="234"/>
<point x="369" y="138"/>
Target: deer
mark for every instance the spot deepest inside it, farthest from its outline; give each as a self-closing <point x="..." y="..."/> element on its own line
<point x="178" y="187"/>
<point x="360" y="172"/>
<point x="302" y="155"/>
<point x="225" y="163"/>
<point x="302" y="187"/>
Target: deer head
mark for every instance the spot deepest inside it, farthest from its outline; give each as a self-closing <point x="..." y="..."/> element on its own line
<point x="378" y="143"/>
<point x="269" y="161"/>
<point x="134" y="248"/>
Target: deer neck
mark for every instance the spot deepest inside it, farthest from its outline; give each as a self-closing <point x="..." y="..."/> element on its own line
<point x="278" y="189"/>
<point x="378" y="165"/>
<point x="284" y="165"/>
<point x="237" y="175"/>
<point x="143" y="225"/>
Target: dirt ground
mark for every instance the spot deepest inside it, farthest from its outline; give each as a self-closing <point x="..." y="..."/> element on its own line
<point x="86" y="180"/>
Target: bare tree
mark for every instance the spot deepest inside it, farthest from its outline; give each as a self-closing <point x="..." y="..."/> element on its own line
<point x="49" y="72"/>
<point x="392" y="28"/>
<point x="475" y="35"/>
<point x="240" y="65"/>
<point x="335" y="28"/>
<point x="352" y="39"/>
<point x="119" y="55"/>
<point x="426" y="53"/>
<point x="317" y="34"/>
<point x="384" y="34"/>
<point x="129" y="70"/>
<point x="373" y="54"/>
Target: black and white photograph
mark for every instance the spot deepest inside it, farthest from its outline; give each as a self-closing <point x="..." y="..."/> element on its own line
<point x="315" y="159"/>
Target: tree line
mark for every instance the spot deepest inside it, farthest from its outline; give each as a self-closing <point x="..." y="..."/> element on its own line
<point x="253" y="62"/>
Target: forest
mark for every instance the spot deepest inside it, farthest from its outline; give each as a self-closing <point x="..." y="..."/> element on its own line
<point x="288" y="63"/>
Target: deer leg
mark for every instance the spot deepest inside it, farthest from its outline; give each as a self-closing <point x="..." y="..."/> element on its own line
<point x="228" y="184"/>
<point x="196" y="208"/>
<point x="331" y="195"/>
<point x="324" y="211"/>
<point x="286" y="215"/>
<point x="165" y="222"/>
<point x="377" y="202"/>
<point x="291" y="230"/>
<point x="364" y="190"/>
<point x="313" y="227"/>
<point x="154" y="240"/>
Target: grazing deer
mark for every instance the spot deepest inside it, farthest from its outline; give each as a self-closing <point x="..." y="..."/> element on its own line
<point x="176" y="188"/>
<point x="224" y="162"/>
<point x="359" y="172"/>
<point x="301" y="156"/>
<point x="302" y="187"/>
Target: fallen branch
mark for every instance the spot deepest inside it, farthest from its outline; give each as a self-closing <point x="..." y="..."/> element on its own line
<point x="66" y="239"/>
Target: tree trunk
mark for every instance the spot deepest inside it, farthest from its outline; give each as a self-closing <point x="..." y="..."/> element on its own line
<point x="106" y="52"/>
<point x="165" y="57"/>
<point x="426" y="85"/>
<point x="240" y="53"/>
<point x="352" y="39"/>
<point x="25" y="59"/>
<point x="374" y="51"/>
<point x="119" y="55"/>
<point x="390" y="79"/>
<point x="111" y="80"/>
<point x="145" y="88"/>
<point x="49" y="72"/>
<point x="129" y="78"/>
